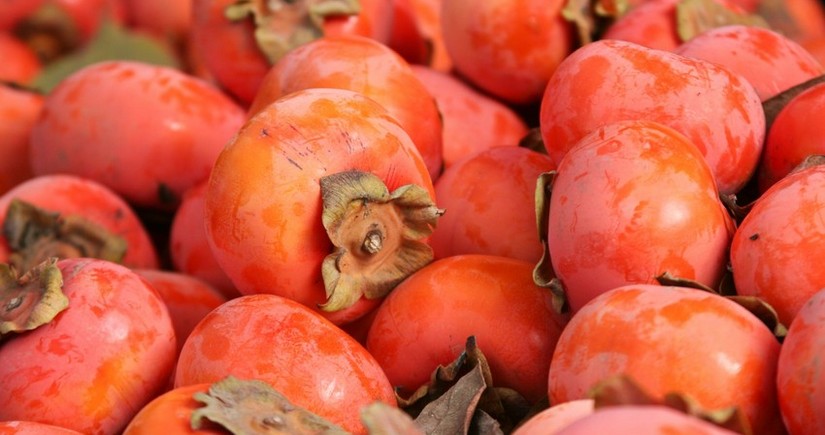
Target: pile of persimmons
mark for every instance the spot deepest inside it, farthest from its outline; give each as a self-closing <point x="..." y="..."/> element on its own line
<point x="412" y="217"/>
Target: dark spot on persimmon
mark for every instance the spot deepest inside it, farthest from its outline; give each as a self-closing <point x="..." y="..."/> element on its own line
<point x="754" y="236"/>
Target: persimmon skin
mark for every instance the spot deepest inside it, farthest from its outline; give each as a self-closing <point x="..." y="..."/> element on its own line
<point x="792" y="137"/>
<point x="363" y="65"/>
<point x="20" y="63"/>
<point x="651" y="23"/>
<point x="189" y="249"/>
<point x="97" y="124"/>
<point x="642" y="420"/>
<point x="800" y="371"/>
<point x="427" y="319"/>
<point x="770" y="61"/>
<point x="19" y="110"/>
<point x="72" y="195"/>
<point x="737" y="368"/>
<point x="777" y="249"/>
<point x="98" y="362"/>
<point x="556" y="417"/>
<point x="188" y="299"/>
<point x="610" y="80"/>
<point x="33" y="428"/>
<point x="170" y="414"/>
<point x="231" y="54"/>
<point x="263" y="203"/>
<point x="13" y="11"/>
<point x="509" y="48"/>
<point x="634" y="200"/>
<point x="490" y="198"/>
<point x="472" y="121"/>
<point x="312" y="362"/>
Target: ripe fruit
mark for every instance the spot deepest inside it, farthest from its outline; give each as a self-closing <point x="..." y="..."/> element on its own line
<point x="97" y="362"/>
<point x="609" y="80"/>
<point x="508" y="48"/>
<point x="147" y="132"/>
<point x="670" y="342"/>
<point x="313" y="363"/>
<point x="263" y="209"/>
<point x="19" y="110"/>
<point x="362" y="65"/>
<point x="801" y="363"/>
<point x="776" y="251"/>
<point x="427" y="319"/>
<point x="634" y="200"/>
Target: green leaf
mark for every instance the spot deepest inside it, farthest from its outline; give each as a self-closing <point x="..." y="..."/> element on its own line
<point x="112" y="42"/>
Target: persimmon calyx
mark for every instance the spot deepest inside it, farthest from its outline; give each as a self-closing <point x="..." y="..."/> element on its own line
<point x="697" y="16"/>
<point x="281" y="25"/>
<point x="254" y="407"/>
<point x="30" y="300"/>
<point x="376" y="236"/>
<point x="622" y="390"/>
<point x="35" y="234"/>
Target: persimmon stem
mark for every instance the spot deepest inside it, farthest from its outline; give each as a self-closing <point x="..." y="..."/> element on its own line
<point x="373" y="242"/>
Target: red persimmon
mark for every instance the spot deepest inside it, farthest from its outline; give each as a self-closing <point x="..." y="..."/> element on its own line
<point x="33" y="428"/>
<point x="239" y="41"/>
<point x="634" y="200"/>
<point x="147" y="132"/>
<point x="309" y="360"/>
<point x="509" y="48"/>
<point x="556" y="417"/>
<point x="671" y="344"/>
<point x="170" y="413"/>
<point x="20" y="63"/>
<point x="427" y="319"/>
<point x="801" y="367"/>
<point x="19" y="110"/>
<point x="472" y="121"/>
<point x="610" y="80"/>
<point x="642" y="420"/>
<point x="792" y="136"/>
<point x="187" y="298"/>
<point x="188" y="247"/>
<point x="776" y="251"/>
<point x="97" y="362"/>
<point x="490" y="198"/>
<point x="362" y="65"/>
<point x="83" y="202"/>
<point x="264" y="210"/>
<point x="770" y="61"/>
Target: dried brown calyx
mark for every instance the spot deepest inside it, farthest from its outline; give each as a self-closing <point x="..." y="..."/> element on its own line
<point x="35" y="234"/>
<point x="30" y="300"/>
<point x="254" y="407"/>
<point x="281" y="25"/>
<point x="376" y="234"/>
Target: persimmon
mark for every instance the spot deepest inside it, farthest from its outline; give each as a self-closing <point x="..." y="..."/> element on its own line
<point x="556" y="417"/>
<point x="776" y="250"/>
<point x="171" y="413"/>
<point x="610" y="80"/>
<point x="306" y="358"/>
<point x="671" y="344"/>
<point x="770" y="61"/>
<point x="363" y="65"/>
<point x="68" y="216"/>
<point x="167" y="127"/>
<point x="273" y="230"/>
<point x="240" y="41"/>
<point x="188" y="299"/>
<point x="189" y="249"/>
<point x="800" y="369"/>
<point x="472" y="121"/>
<point x="508" y="48"/>
<point x="19" y="110"/>
<point x="33" y="428"/>
<point x="90" y="362"/>
<point x="792" y="137"/>
<point x="20" y="63"/>
<point x="491" y="204"/>
<point x="631" y="201"/>
<point x="427" y="319"/>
